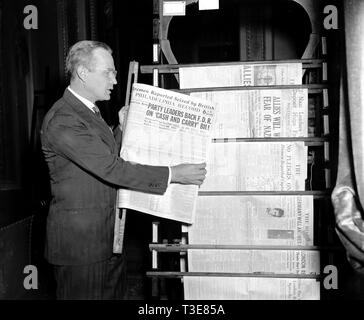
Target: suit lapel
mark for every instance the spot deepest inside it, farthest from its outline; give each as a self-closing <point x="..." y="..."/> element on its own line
<point x="96" y="123"/>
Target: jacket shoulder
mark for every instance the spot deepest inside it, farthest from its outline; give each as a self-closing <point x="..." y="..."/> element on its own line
<point x="60" y="111"/>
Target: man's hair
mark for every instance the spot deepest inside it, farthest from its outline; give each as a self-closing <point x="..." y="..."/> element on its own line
<point x="81" y="53"/>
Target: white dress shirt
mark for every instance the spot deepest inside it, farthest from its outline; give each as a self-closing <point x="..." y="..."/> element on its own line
<point x="86" y="102"/>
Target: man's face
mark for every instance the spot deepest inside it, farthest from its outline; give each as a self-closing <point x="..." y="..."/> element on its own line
<point x="101" y="77"/>
<point x="275" y="213"/>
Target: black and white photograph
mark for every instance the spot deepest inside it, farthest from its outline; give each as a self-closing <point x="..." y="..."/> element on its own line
<point x="194" y="152"/>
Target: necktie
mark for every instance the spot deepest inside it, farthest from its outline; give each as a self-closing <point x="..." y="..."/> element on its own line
<point x="97" y="111"/>
<point x="98" y="114"/>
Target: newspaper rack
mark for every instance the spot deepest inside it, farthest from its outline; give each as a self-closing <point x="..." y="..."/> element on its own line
<point x="320" y="154"/>
<point x="321" y="194"/>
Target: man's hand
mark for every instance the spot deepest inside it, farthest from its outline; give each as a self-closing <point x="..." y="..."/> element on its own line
<point x="186" y="173"/>
<point x="123" y="113"/>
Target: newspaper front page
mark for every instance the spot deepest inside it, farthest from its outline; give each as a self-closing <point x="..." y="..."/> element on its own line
<point x="253" y="220"/>
<point x="262" y="74"/>
<point x="250" y="288"/>
<point x="256" y="166"/>
<point x="165" y="128"/>
<point x="259" y="113"/>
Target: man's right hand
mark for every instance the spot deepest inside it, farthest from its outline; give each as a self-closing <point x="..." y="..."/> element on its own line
<point x="187" y="173"/>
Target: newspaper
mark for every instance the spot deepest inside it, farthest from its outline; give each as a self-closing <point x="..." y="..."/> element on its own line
<point x="254" y="261"/>
<point x="259" y="113"/>
<point x="253" y="220"/>
<point x="262" y="74"/>
<point x="256" y="166"/>
<point x="165" y="128"/>
<point x="250" y="288"/>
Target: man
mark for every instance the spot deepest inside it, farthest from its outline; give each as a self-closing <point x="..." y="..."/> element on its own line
<point x="85" y="171"/>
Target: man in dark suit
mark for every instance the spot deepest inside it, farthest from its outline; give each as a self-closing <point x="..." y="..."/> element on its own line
<point x="85" y="169"/>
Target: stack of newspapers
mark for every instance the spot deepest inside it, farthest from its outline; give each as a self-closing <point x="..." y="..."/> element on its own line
<point x="247" y="224"/>
<point x="227" y="120"/>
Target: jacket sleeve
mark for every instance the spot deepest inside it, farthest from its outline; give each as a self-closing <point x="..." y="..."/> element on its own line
<point x="70" y="138"/>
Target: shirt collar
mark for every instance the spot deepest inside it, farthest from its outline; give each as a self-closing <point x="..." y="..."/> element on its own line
<point x="86" y="102"/>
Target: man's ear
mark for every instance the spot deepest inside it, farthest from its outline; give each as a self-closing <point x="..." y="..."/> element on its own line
<point x="82" y="72"/>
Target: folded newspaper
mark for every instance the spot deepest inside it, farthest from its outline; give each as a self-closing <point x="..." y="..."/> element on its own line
<point x="243" y="74"/>
<point x="165" y="128"/>
<point x="259" y="113"/>
<point x="253" y="220"/>
<point x="256" y="166"/>
<point x="251" y="288"/>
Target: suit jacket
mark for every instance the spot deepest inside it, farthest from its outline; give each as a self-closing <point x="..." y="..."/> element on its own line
<point x="85" y="171"/>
